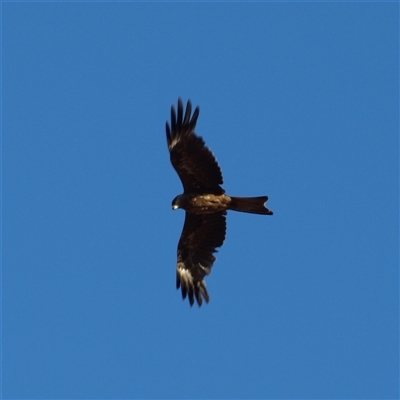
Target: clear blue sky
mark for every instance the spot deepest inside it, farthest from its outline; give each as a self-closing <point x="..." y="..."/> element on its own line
<point x="298" y="101"/>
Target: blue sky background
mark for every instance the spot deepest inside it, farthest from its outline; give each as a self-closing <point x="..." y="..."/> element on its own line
<point x="298" y="101"/>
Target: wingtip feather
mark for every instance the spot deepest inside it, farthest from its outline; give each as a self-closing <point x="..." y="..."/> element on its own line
<point x="168" y="130"/>
<point x="180" y="112"/>
<point x="188" y="111"/>
<point x="173" y="118"/>
<point x="195" y="115"/>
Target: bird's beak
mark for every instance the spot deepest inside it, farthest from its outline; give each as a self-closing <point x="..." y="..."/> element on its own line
<point x="174" y="207"/>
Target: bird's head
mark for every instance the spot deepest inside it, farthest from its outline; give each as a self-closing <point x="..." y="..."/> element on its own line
<point x="177" y="202"/>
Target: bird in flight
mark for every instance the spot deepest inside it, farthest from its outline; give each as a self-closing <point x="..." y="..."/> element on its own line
<point x="204" y="201"/>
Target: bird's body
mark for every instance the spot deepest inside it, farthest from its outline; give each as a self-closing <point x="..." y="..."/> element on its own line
<point x="211" y="203"/>
<point x="204" y="201"/>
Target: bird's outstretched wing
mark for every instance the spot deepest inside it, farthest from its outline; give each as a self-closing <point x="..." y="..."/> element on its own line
<point x="201" y="235"/>
<point x="192" y="160"/>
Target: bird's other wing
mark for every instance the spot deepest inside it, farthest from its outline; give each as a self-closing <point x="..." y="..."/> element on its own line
<point x="201" y="235"/>
<point x="192" y="160"/>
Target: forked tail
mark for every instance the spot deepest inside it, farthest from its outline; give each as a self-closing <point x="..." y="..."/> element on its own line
<point x="254" y="205"/>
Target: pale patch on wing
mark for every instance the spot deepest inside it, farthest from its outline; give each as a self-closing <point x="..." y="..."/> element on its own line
<point x="191" y="288"/>
<point x="185" y="275"/>
<point x="174" y="141"/>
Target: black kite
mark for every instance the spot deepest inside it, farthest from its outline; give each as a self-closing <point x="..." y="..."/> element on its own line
<point x="204" y="201"/>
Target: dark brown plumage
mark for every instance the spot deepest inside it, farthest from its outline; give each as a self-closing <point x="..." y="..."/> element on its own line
<point x="204" y="201"/>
